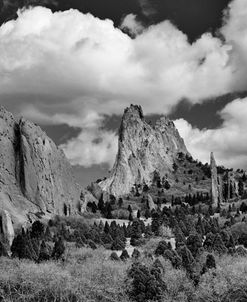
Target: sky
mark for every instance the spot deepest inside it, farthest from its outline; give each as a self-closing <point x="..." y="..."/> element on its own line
<point x="72" y="66"/>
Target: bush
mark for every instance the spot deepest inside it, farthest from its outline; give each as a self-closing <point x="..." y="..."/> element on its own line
<point x="146" y="285"/>
<point x="161" y="248"/>
<point x="114" y="257"/>
<point x="136" y="254"/>
<point x="92" y="245"/>
<point x="124" y="256"/>
<point x="59" y="249"/>
<point x="118" y="245"/>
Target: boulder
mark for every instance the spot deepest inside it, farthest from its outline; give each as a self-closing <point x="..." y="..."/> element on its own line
<point x="150" y="203"/>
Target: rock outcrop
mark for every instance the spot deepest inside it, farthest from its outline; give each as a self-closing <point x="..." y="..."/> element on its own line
<point x="143" y="149"/>
<point x="35" y="176"/>
<point x="216" y="182"/>
<point x="7" y="229"/>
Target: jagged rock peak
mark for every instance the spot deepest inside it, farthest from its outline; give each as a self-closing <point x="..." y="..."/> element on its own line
<point x="134" y="111"/>
<point x="142" y="150"/>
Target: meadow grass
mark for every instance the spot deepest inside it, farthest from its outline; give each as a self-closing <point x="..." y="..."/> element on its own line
<point x="88" y="275"/>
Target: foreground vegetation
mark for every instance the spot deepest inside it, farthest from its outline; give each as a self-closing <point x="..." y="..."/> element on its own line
<point x="185" y="250"/>
<point x="89" y="275"/>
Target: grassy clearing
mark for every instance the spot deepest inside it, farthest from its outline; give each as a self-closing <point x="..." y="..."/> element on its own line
<point x="86" y="276"/>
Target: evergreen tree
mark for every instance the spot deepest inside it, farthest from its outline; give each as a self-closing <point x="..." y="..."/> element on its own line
<point x="156" y="223"/>
<point x="209" y="242"/>
<point x="240" y="187"/>
<point x="38" y="229"/>
<point x="124" y="256"/>
<point x="44" y="254"/>
<point x="194" y="244"/>
<point x="3" y="250"/>
<point x="107" y="228"/>
<point x="218" y="245"/>
<point x="209" y="264"/>
<point x="120" y="202"/>
<point x="161" y="248"/>
<point x="146" y="285"/>
<point x="114" y="257"/>
<point x="118" y="244"/>
<point x="136" y="233"/>
<point x="130" y="216"/>
<point x="147" y="213"/>
<point x="129" y="208"/>
<point x="188" y="260"/>
<point x="59" y="249"/>
<point x="136" y="254"/>
<point x="101" y="204"/>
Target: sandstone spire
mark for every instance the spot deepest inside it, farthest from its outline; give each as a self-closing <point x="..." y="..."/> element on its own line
<point x="214" y="180"/>
<point x="142" y="149"/>
<point x="35" y="176"/>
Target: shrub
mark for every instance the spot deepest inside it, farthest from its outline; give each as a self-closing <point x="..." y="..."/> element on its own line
<point x="136" y="254"/>
<point x="124" y="256"/>
<point x="114" y="257"/>
<point x="59" y="249"/>
<point x="161" y="248"/>
<point x="118" y="245"/>
<point x="44" y="253"/>
<point x="146" y="285"/>
<point x="92" y="245"/>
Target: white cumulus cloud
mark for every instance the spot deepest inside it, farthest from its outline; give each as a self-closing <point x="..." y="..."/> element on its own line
<point x="228" y="142"/>
<point x="70" y="67"/>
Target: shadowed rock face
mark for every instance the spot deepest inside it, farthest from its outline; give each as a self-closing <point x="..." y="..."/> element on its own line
<point x="142" y="150"/>
<point x="35" y="176"/>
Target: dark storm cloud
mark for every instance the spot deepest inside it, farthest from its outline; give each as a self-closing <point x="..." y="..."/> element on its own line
<point x="193" y="17"/>
<point x="205" y="115"/>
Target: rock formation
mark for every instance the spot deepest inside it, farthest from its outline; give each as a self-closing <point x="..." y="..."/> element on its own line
<point x="7" y="230"/>
<point x="142" y="150"/>
<point x="35" y="176"/>
<point x="216" y="183"/>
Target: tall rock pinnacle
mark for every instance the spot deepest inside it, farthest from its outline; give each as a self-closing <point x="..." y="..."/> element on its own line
<point x="216" y="190"/>
<point x="142" y="149"/>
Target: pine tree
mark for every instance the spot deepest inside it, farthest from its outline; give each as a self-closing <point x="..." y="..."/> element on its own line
<point x="240" y="187"/>
<point x="59" y="249"/>
<point x="44" y="253"/>
<point x="107" y="228"/>
<point x="188" y="260"/>
<point x="38" y="229"/>
<point x="117" y="245"/>
<point x="124" y="256"/>
<point x="130" y="216"/>
<point x="194" y="244"/>
<point x="101" y="204"/>
<point x="136" y="254"/>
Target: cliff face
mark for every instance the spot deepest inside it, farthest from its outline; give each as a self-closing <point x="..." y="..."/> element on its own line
<point x="35" y="176"/>
<point x="142" y="150"/>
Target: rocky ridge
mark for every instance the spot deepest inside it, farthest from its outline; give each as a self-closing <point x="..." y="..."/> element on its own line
<point x="35" y="177"/>
<point x="142" y="150"/>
